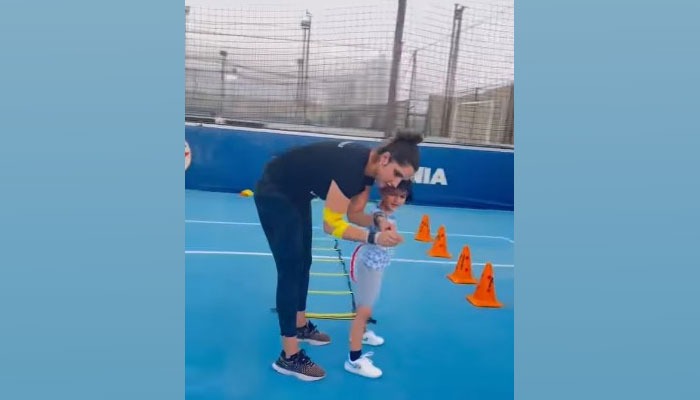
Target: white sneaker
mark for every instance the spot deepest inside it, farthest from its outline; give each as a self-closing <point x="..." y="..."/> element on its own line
<point x="363" y="366"/>
<point x="370" y="338"/>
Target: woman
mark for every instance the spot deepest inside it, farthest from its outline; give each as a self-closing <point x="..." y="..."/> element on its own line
<point x="341" y="174"/>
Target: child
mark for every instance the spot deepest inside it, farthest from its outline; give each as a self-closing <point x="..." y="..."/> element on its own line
<point x="366" y="269"/>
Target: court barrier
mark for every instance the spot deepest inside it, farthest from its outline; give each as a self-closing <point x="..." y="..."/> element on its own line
<point x="228" y="159"/>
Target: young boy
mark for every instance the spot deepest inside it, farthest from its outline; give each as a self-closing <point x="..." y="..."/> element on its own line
<point x="366" y="270"/>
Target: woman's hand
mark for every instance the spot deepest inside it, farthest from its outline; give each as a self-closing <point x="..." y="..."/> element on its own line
<point x="384" y="225"/>
<point x="388" y="238"/>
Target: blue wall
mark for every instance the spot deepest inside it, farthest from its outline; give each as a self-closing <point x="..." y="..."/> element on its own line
<point x="230" y="160"/>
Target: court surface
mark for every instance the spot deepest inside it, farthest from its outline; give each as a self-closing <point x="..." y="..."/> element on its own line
<point x="437" y="344"/>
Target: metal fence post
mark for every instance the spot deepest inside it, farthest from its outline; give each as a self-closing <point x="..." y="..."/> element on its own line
<point x="390" y="123"/>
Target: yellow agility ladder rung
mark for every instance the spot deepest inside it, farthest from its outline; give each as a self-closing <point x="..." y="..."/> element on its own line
<point x="343" y="316"/>
<point x="331" y="292"/>
<point x="326" y="260"/>
<point x="328" y="274"/>
<point x="324" y="248"/>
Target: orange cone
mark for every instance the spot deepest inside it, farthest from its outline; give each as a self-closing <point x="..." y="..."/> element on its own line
<point x="485" y="293"/>
<point x="439" y="248"/>
<point x="423" y="234"/>
<point x="463" y="271"/>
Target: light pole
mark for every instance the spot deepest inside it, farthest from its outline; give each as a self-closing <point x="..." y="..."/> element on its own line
<point x="306" y="32"/>
<point x="223" y="54"/>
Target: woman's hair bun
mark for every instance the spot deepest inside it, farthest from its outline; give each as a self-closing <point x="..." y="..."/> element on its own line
<point x="408" y="137"/>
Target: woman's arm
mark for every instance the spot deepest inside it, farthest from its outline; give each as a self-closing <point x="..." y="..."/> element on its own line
<point x="356" y="209"/>
<point x="338" y="205"/>
<point x="333" y="223"/>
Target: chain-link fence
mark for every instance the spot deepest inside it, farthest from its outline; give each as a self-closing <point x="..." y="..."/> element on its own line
<point x="333" y="69"/>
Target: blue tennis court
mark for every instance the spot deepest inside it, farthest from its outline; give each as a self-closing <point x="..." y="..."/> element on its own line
<point x="437" y="343"/>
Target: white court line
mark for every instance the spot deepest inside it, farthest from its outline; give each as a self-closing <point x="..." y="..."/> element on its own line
<point x="318" y="257"/>
<point x="196" y="221"/>
<point x="465" y="235"/>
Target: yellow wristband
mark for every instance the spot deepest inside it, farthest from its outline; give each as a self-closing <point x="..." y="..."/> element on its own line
<point x="340" y="230"/>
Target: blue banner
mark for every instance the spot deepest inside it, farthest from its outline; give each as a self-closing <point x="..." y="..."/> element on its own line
<point x="231" y="159"/>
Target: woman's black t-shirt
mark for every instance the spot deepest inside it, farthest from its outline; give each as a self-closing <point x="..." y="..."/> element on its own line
<point x="306" y="172"/>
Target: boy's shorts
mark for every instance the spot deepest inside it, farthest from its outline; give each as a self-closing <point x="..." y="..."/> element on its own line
<point x="367" y="282"/>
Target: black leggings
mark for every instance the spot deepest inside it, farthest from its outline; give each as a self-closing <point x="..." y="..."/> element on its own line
<point x="287" y="226"/>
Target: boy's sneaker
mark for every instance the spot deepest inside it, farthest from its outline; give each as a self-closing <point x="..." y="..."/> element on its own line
<point x="371" y="338"/>
<point x="299" y="366"/>
<point x="311" y="335"/>
<point x="363" y="366"/>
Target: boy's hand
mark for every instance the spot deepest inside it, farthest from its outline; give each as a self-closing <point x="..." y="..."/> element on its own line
<point x="381" y="222"/>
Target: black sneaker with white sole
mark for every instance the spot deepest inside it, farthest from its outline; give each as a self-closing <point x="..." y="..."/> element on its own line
<point x="310" y="334"/>
<point x="299" y="366"/>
